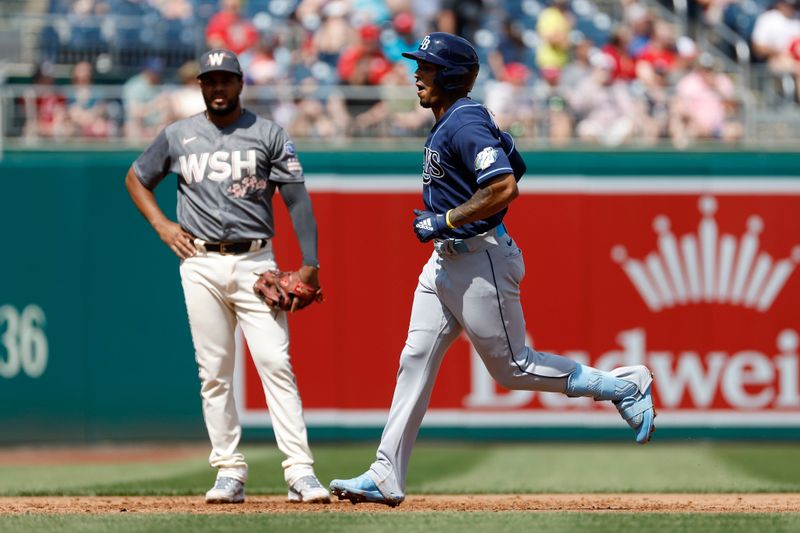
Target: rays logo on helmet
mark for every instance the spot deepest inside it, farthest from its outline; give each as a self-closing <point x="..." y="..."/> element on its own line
<point x="425" y="43"/>
<point x="485" y="158"/>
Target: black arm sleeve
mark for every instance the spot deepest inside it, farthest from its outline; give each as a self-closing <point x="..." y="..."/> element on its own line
<point x="305" y="225"/>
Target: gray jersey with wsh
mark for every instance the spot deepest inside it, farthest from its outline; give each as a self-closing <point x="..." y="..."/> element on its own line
<point x="226" y="176"/>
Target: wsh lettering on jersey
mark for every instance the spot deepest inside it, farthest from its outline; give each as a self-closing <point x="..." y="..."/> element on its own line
<point x="431" y="168"/>
<point x="222" y="165"/>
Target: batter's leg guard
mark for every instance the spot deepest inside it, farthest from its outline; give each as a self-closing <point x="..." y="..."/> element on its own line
<point x="629" y="388"/>
<point x="363" y="489"/>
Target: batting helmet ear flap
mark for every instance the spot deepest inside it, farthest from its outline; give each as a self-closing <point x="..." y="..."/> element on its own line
<point x="469" y="79"/>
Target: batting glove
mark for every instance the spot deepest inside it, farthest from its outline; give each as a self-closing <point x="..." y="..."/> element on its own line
<point x="429" y="225"/>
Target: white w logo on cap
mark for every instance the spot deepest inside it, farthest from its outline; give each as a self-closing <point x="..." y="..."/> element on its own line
<point x="215" y="59"/>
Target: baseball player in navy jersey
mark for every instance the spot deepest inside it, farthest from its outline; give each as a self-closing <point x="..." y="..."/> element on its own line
<point x="471" y="283"/>
<point x="229" y="162"/>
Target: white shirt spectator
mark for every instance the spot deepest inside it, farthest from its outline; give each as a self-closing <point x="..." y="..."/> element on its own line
<point x="774" y="31"/>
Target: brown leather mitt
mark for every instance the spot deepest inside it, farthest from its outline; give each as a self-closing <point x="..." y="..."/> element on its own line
<point x="285" y="290"/>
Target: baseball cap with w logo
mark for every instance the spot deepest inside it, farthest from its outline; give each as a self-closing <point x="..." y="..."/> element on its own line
<point x="219" y="60"/>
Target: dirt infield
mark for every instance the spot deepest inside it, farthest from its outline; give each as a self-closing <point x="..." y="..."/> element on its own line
<point x="658" y="503"/>
<point x="101" y="454"/>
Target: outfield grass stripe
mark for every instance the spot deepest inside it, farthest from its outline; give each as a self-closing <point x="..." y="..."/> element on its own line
<point x="137" y="477"/>
<point x="615" y="468"/>
<point x="453" y="469"/>
<point x="407" y="523"/>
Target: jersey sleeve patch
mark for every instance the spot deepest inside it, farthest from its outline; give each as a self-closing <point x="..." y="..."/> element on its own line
<point x="292" y="162"/>
<point x="294" y="166"/>
<point x="485" y="158"/>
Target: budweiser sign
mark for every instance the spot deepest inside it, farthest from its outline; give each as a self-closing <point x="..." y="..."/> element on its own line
<point x="700" y="287"/>
<point x="708" y="267"/>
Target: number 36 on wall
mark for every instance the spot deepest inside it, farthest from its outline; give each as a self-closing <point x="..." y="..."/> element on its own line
<point x="23" y="343"/>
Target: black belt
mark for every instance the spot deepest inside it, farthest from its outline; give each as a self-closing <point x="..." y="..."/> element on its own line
<point x="233" y="248"/>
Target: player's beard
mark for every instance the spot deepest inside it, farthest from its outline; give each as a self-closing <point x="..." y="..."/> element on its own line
<point x="222" y="111"/>
<point x="425" y="99"/>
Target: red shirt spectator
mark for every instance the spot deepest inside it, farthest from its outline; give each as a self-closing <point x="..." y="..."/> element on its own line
<point x="660" y="59"/>
<point x="617" y="49"/>
<point x="45" y="107"/>
<point x="227" y="29"/>
<point x="364" y="63"/>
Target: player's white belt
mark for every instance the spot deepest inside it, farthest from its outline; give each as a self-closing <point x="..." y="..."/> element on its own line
<point x="472" y="244"/>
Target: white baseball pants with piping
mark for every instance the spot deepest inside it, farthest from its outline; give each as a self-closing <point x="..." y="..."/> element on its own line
<point x="218" y="290"/>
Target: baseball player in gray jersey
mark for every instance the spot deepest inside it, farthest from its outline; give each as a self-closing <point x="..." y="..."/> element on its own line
<point x="471" y="283"/>
<point x="229" y="163"/>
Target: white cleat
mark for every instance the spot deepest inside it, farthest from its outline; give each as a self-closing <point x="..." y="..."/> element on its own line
<point x="308" y="489"/>
<point x="226" y="490"/>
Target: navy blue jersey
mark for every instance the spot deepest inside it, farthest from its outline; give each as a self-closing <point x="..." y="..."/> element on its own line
<point x="465" y="149"/>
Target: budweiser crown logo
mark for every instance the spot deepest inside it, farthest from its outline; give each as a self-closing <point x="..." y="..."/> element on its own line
<point x="707" y="267"/>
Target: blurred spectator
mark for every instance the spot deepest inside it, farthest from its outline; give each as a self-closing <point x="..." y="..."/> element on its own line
<point x="315" y="117"/>
<point x="398" y="112"/>
<point x="89" y="114"/>
<point x="146" y="106"/>
<point x="260" y="65"/>
<point x="187" y="100"/>
<point x="659" y="54"/>
<point x="775" y="29"/>
<point x="558" y="121"/>
<point x="579" y="68"/>
<point x="711" y="11"/>
<point x="554" y="114"/>
<point x="295" y="52"/>
<point x="773" y="36"/>
<point x="511" y="48"/>
<point x="460" y="17"/>
<point x="617" y="49"/>
<point x="173" y="9"/>
<point x="45" y="107"/>
<point x="511" y="100"/>
<point x="661" y="63"/>
<point x="608" y="110"/>
<point x="553" y="26"/>
<point x="364" y="63"/>
<point x="402" y="38"/>
<point x="335" y="32"/>
<point x="87" y="8"/>
<point x="227" y="29"/>
<point x="652" y="102"/>
<point x="704" y="106"/>
<point x="638" y="18"/>
<point x="371" y="12"/>
<point x="426" y="13"/>
<point x="688" y="52"/>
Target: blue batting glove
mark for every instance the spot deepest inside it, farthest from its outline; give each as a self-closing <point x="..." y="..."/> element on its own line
<point x="429" y="225"/>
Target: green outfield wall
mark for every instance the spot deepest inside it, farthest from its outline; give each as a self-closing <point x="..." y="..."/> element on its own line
<point x="94" y="342"/>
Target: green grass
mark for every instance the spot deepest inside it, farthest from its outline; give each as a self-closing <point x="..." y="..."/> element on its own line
<point x="409" y="522"/>
<point x="438" y="468"/>
<point x="454" y="468"/>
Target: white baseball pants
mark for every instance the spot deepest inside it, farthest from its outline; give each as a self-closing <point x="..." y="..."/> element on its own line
<point x="218" y="290"/>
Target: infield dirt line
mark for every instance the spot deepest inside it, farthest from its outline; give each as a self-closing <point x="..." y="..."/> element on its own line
<point x="651" y="503"/>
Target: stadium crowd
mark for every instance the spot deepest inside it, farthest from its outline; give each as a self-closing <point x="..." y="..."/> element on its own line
<point x="333" y="69"/>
